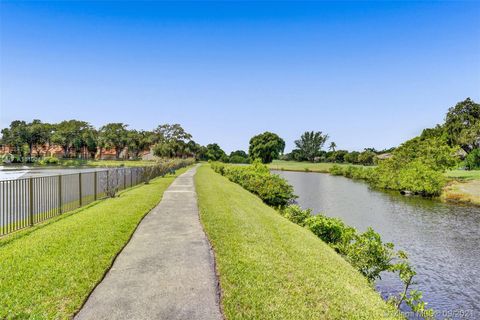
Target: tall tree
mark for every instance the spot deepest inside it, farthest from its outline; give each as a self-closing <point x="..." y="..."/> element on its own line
<point x="462" y="124"/>
<point x="215" y="153"/>
<point x="310" y="144"/>
<point x="332" y="146"/>
<point x="16" y="136"/>
<point x="171" y="141"/>
<point x="266" y="146"/>
<point x="39" y="134"/>
<point x="114" y="136"/>
<point x="138" y="141"/>
<point x="238" y="156"/>
<point x="70" y="134"/>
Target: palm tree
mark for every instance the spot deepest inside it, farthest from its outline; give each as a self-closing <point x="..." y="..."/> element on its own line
<point x="332" y="146"/>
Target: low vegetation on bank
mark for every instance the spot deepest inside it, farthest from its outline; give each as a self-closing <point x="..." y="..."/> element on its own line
<point x="364" y="251"/>
<point x="48" y="271"/>
<point x="270" y="268"/>
<point x="256" y="178"/>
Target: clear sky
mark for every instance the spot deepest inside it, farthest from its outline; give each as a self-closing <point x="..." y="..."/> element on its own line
<point x="370" y="74"/>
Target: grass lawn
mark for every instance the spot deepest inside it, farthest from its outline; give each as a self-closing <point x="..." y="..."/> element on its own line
<point x="304" y="166"/>
<point x="47" y="272"/>
<point x="464" y="174"/>
<point x="116" y="163"/>
<point x="270" y="268"/>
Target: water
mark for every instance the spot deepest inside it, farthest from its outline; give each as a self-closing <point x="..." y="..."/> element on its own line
<point x="19" y="172"/>
<point x="442" y="240"/>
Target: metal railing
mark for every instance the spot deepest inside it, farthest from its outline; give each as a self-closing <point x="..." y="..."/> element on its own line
<point x="27" y="201"/>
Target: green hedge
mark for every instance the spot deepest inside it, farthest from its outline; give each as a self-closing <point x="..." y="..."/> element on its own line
<point x="257" y="178"/>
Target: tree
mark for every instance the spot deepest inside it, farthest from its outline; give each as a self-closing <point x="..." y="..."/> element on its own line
<point x="352" y="157"/>
<point x="337" y="156"/>
<point x="239" y="153"/>
<point x="138" y="141"/>
<point x="461" y="124"/>
<point x="310" y="144"/>
<point x="238" y="156"/>
<point x="332" y="146"/>
<point x="472" y="161"/>
<point x="215" y="153"/>
<point x="266" y="146"/>
<point x="39" y="134"/>
<point x="367" y="157"/>
<point x="171" y="141"/>
<point x="114" y="136"/>
<point x="192" y="148"/>
<point x="70" y="134"/>
<point x="16" y="136"/>
<point x="90" y="141"/>
<point x="295" y="154"/>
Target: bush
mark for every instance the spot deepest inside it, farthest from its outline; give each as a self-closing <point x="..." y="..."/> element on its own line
<point x="48" y="160"/>
<point x="331" y="230"/>
<point x="369" y="255"/>
<point x="472" y="161"/>
<point x="256" y="178"/>
<point x="296" y="214"/>
<point x="336" y="170"/>
<point x="366" y="251"/>
<point x="420" y="179"/>
<point x="352" y="172"/>
<point x="238" y="159"/>
<point x="163" y="167"/>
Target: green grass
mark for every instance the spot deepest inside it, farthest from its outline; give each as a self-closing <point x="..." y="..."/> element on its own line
<point x="464" y="174"/>
<point x="47" y="272"/>
<point x="303" y="166"/>
<point x="270" y="268"/>
<point x="116" y="163"/>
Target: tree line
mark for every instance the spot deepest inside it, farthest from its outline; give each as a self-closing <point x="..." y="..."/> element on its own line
<point x="460" y="133"/>
<point x="79" y="139"/>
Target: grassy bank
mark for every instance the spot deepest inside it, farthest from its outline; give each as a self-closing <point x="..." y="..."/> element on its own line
<point x="270" y="268"/>
<point x="47" y="272"/>
<point x="118" y="163"/>
<point x="302" y="166"/>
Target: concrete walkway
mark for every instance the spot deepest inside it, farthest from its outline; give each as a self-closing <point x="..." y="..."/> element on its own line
<point x="166" y="270"/>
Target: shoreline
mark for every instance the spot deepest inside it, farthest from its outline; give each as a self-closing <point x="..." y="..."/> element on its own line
<point x="456" y="191"/>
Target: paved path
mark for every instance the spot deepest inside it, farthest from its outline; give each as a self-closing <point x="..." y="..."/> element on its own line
<point x="166" y="270"/>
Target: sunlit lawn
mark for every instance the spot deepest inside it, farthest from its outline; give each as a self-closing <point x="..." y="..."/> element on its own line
<point x="270" y="268"/>
<point x="302" y="166"/>
<point x="48" y="271"/>
<point x="116" y="163"/>
<point x="464" y="174"/>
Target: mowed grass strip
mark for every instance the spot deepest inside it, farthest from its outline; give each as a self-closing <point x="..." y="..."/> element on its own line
<point x="48" y="271"/>
<point x="270" y="268"/>
<point x="306" y="166"/>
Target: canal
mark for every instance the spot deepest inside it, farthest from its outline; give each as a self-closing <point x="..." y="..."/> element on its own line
<point x="442" y="240"/>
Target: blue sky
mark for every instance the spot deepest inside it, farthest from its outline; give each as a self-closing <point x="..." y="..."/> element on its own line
<point x="370" y="74"/>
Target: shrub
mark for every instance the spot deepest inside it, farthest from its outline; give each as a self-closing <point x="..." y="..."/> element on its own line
<point x="369" y="255"/>
<point x="336" y="170"/>
<point x="420" y="179"/>
<point x="296" y="214"/>
<point x="256" y="178"/>
<point x="48" y="160"/>
<point x="472" y="161"/>
<point x="163" y="167"/>
<point x="238" y="159"/>
<point x="331" y="230"/>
